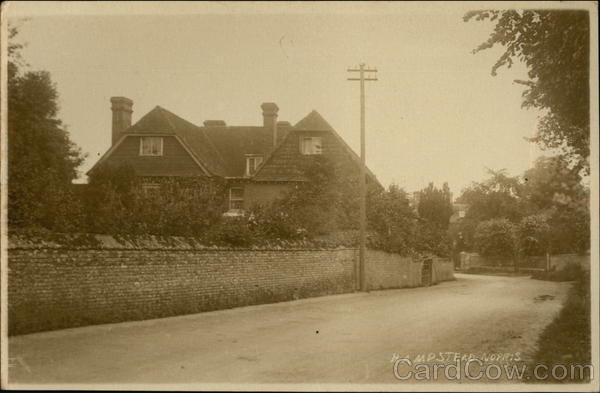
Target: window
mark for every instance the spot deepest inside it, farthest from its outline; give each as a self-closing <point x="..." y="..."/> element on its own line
<point x="236" y="198"/>
<point x="252" y="164"/>
<point x="310" y="145"/>
<point x="151" y="146"/>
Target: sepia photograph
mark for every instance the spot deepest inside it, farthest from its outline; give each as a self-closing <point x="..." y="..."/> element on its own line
<point x="299" y="196"/>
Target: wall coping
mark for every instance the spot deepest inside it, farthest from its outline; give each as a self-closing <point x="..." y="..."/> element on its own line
<point x="59" y="241"/>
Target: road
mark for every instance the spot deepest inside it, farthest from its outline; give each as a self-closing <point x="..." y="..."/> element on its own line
<point x="338" y="339"/>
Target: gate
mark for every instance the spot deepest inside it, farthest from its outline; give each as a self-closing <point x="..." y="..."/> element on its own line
<point x="427" y="272"/>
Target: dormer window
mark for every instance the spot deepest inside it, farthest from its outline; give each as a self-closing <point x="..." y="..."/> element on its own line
<point x="310" y="145"/>
<point x="252" y="164"/>
<point x="151" y="146"/>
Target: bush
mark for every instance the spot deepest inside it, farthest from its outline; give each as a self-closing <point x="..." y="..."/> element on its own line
<point x="495" y="238"/>
<point x="115" y="203"/>
<point x="571" y="272"/>
<point x="274" y="222"/>
<point x="532" y="235"/>
<point x="231" y="232"/>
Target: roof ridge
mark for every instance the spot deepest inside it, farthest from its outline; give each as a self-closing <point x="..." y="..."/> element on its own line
<point x="165" y="113"/>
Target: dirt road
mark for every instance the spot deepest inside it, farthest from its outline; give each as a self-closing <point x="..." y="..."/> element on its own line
<point x="336" y="339"/>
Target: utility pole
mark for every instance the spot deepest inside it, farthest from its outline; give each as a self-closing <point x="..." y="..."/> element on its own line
<point x="363" y="169"/>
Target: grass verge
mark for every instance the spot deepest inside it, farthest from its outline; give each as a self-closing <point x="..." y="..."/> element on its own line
<point x="567" y="340"/>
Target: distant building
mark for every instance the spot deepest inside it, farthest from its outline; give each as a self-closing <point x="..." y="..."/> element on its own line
<point x="459" y="212"/>
<point x="413" y="199"/>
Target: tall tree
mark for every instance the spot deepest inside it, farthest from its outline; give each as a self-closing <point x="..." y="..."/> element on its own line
<point x="554" y="45"/>
<point x="42" y="160"/>
<point x="435" y="205"/>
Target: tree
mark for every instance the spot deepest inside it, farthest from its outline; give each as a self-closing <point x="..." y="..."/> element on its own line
<point x="552" y="182"/>
<point x="109" y="200"/>
<point x="556" y="191"/>
<point x="554" y="45"/>
<point x="390" y="215"/>
<point x="42" y="159"/>
<point x="399" y="229"/>
<point x="495" y="238"/>
<point x="533" y="235"/>
<point x="497" y="197"/>
<point x="551" y="189"/>
<point x="435" y="205"/>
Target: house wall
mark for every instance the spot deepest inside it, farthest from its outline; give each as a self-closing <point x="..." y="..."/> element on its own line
<point x="175" y="160"/>
<point x="55" y="286"/>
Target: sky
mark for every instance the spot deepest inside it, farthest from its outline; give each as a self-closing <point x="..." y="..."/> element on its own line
<point x="436" y="114"/>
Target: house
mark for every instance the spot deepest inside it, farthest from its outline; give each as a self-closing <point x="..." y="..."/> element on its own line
<point x="258" y="163"/>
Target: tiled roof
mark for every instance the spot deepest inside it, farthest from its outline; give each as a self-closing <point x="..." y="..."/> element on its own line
<point x="313" y="122"/>
<point x="221" y="149"/>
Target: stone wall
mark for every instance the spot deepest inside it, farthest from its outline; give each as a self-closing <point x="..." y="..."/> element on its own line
<point x="443" y="270"/>
<point x="52" y="286"/>
<point x="386" y="270"/>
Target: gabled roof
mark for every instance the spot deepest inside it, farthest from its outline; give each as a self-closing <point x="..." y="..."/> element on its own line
<point x="161" y="121"/>
<point x="313" y="122"/>
<point x="221" y="150"/>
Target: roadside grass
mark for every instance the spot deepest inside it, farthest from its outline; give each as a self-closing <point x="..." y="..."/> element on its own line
<point x="567" y="340"/>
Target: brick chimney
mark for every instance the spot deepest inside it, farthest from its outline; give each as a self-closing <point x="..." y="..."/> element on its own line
<point x="270" y="110"/>
<point x="121" y="116"/>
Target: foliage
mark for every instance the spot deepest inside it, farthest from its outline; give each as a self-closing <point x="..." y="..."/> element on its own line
<point x="555" y="189"/>
<point x="533" y="235"/>
<point x="553" y="183"/>
<point x="109" y="200"/>
<point x="429" y="238"/>
<point x="462" y="233"/>
<point x="570" y="230"/>
<point x="495" y="237"/>
<point x="394" y="221"/>
<point x="390" y="213"/>
<point x="116" y="203"/>
<point x="42" y="160"/>
<point x="328" y="201"/>
<point x="234" y="232"/>
<point x="274" y="222"/>
<point x="500" y="196"/>
<point x="435" y="205"/>
<point x="399" y="229"/>
<point x="554" y="45"/>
